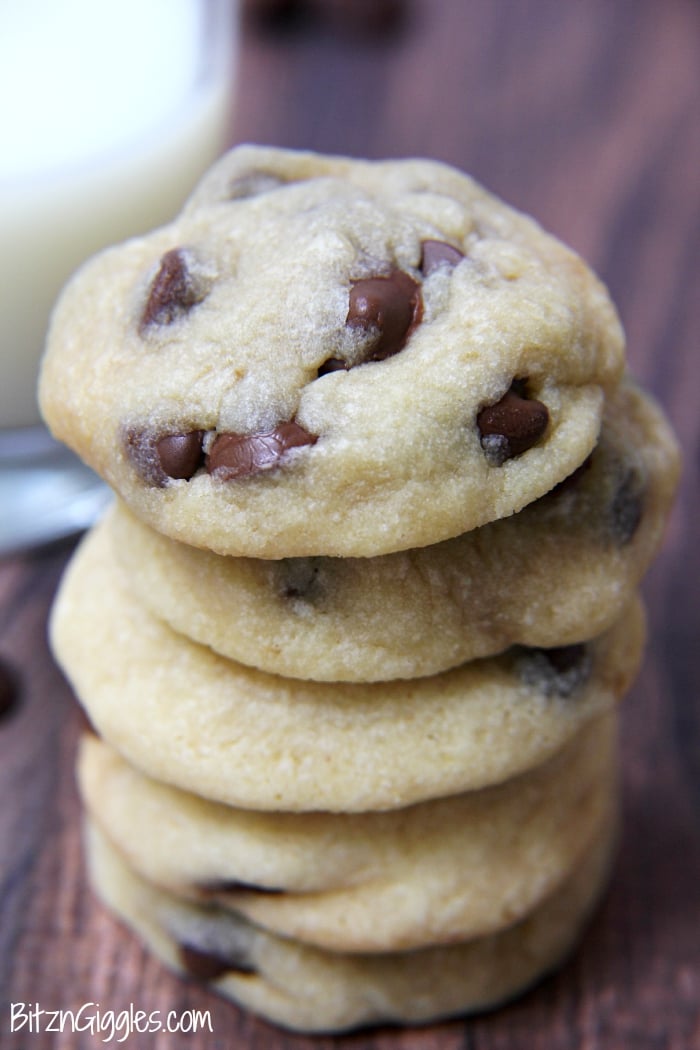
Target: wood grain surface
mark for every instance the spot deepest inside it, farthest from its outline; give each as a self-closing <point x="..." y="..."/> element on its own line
<point x="585" y="114"/>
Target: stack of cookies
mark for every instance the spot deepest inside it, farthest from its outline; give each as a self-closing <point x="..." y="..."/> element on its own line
<point x="353" y="634"/>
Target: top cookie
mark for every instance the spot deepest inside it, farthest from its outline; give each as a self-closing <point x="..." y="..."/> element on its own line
<point x="329" y="356"/>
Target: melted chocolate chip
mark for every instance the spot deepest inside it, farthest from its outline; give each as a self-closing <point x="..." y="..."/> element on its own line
<point x="390" y="306"/>
<point x="438" y="253"/>
<point x="511" y="426"/>
<point x="9" y="689"/>
<point x="180" y="455"/>
<point x="626" y="508"/>
<point x="239" y="455"/>
<point x="554" y="672"/>
<point x="207" y="966"/>
<point x="174" y="290"/>
<point x="166" y="457"/>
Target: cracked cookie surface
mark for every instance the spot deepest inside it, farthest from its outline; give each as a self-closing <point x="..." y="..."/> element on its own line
<point x="322" y="356"/>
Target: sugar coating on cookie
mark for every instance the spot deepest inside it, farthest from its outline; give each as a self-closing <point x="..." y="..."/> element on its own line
<point x="323" y="356"/>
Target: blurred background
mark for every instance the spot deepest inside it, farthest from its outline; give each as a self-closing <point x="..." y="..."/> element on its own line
<point x="586" y="115"/>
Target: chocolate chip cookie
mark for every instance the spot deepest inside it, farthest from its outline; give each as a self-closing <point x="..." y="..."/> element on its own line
<point x="438" y="872"/>
<point x="191" y="718"/>
<point x="556" y="573"/>
<point x="323" y="356"/>
<point x="306" y="988"/>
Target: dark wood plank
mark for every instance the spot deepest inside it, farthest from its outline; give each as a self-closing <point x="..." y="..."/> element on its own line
<point x="585" y="115"/>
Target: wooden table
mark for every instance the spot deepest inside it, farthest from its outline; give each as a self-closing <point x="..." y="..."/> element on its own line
<point x="586" y="115"/>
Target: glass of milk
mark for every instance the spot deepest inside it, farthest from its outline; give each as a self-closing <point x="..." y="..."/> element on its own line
<point x="109" y="113"/>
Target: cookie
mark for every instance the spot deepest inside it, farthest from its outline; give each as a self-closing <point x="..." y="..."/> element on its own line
<point x="323" y="356"/>
<point x="189" y="717"/>
<point x="312" y="990"/>
<point x="434" y="873"/>
<point x="556" y="573"/>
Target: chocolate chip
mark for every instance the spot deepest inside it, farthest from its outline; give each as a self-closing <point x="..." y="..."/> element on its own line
<point x="175" y="289"/>
<point x="511" y="426"/>
<point x="554" y="672"/>
<point x="207" y="966"/>
<point x="438" y="253"/>
<point x="9" y="689"/>
<point x="300" y="579"/>
<point x="626" y="508"/>
<point x="165" y="457"/>
<point x="234" y="886"/>
<point x="140" y="447"/>
<point x="238" y="455"/>
<point x="390" y="306"/>
<point x="565" y="658"/>
<point x="180" y="455"/>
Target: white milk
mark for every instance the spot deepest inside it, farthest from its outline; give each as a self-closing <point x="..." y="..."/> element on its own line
<point x="109" y="112"/>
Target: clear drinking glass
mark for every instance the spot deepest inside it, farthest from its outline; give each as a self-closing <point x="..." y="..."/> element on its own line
<point x="109" y="114"/>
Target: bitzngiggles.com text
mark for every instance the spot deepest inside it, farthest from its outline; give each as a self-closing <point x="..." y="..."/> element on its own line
<point x="111" y="1025"/>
